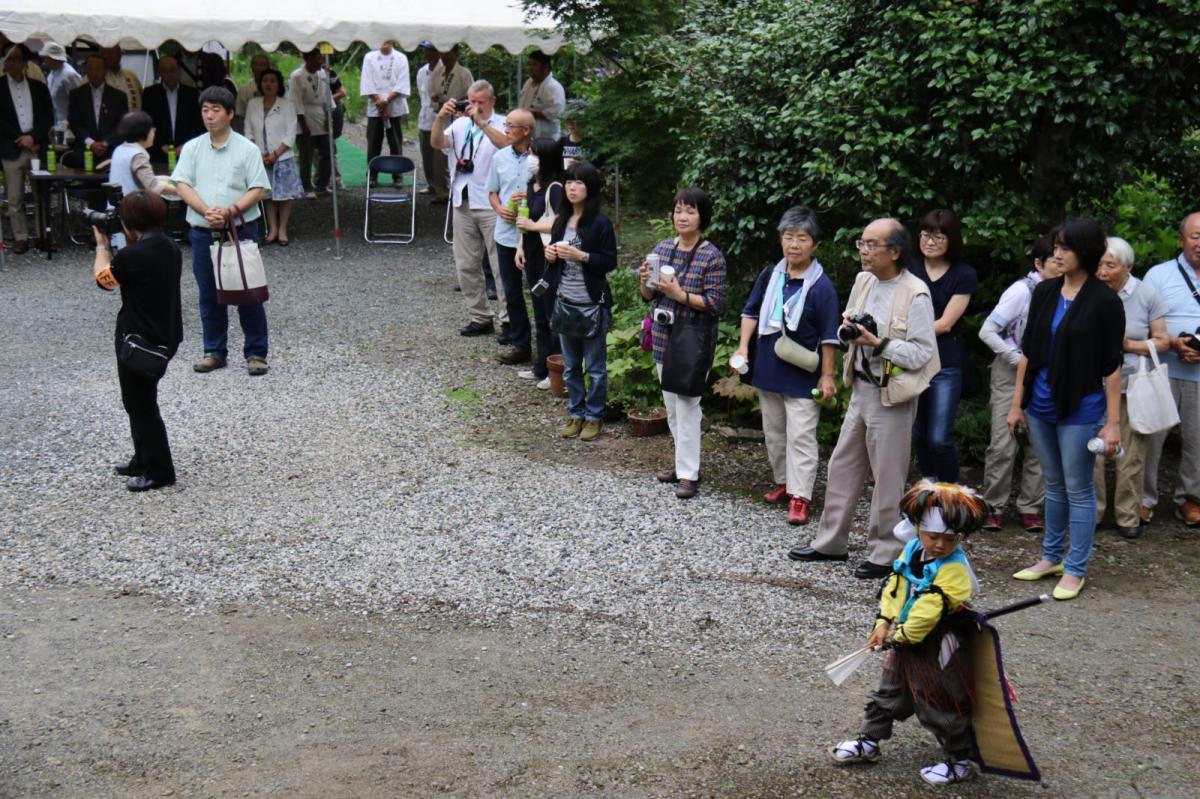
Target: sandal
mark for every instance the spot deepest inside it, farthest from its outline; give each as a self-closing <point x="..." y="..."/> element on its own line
<point x="948" y="773"/>
<point x="856" y="750"/>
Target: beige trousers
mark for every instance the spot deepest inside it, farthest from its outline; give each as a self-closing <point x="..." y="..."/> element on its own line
<point x="1187" y="481"/>
<point x="790" y="428"/>
<point x="474" y="235"/>
<point x="1127" y="491"/>
<point x="15" y="172"/>
<point x="1002" y="451"/>
<point x="875" y="442"/>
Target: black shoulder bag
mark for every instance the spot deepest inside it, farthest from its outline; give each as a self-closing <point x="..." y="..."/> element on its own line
<point x="691" y="344"/>
<point x="144" y="359"/>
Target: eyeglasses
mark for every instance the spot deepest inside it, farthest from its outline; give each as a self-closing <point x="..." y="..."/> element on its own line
<point x="510" y="126"/>
<point x="796" y="238"/>
<point x="869" y="246"/>
<point x="933" y="238"/>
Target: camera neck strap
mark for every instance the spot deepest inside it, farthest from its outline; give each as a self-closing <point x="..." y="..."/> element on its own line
<point x="473" y="134"/>
<point x="1187" y="279"/>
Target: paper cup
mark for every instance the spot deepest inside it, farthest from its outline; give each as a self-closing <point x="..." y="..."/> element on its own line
<point x="35" y="164"/>
<point x="738" y="364"/>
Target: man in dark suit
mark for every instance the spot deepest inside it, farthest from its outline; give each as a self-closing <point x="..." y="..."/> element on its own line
<point x="93" y="111"/>
<point x="175" y="109"/>
<point x="26" y="116"/>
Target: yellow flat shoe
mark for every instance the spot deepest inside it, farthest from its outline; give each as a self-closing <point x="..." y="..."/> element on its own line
<point x="1029" y="574"/>
<point x="1064" y="594"/>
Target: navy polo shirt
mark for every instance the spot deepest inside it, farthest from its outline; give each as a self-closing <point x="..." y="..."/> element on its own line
<point x="818" y="324"/>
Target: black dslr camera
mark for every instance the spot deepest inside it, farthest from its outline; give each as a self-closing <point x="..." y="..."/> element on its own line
<point x="849" y="330"/>
<point x="108" y="220"/>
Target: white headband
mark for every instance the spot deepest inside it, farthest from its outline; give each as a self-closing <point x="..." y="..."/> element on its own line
<point x="931" y="522"/>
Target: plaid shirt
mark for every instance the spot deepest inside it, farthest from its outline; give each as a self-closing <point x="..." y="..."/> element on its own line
<point x="705" y="276"/>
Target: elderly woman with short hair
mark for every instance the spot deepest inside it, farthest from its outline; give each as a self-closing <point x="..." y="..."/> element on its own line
<point x="792" y="317"/>
<point x="1145" y="326"/>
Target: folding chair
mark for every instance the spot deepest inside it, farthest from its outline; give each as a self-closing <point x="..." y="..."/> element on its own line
<point x="402" y="170"/>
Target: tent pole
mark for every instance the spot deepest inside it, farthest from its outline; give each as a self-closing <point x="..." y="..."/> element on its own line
<point x="617" y="196"/>
<point x="520" y="79"/>
<point x="333" y="173"/>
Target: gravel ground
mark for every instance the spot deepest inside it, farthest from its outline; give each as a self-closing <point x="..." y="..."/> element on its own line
<point x="389" y="470"/>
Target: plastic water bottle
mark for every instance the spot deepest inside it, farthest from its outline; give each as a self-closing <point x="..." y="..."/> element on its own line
<point x="824" y="403"/>
<point x="51" y="159"/>
<point x="89" y="160"/>
<point x="1096" y="446"/>
<point x="171" y="158"/>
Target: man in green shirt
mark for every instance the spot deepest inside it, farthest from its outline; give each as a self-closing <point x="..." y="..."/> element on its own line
<point x="221" y="178"/>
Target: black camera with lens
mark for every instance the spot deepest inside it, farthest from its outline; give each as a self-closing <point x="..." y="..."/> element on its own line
<point x="108" y="220"/>
<point x="460" y="105"/>
<point x="849" y="330"/>
<point x="464" y="166"/>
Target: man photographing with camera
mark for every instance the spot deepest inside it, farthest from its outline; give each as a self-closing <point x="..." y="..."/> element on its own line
<point x="891" y="357"/>
<point x="469" y="142"/>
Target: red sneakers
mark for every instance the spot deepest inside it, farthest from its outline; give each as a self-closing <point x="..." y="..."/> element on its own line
<point x="993" y="523"/>
<point x="1032" y="522"/>
<point x="798" y="510"/>
<point x="777" y="495"/>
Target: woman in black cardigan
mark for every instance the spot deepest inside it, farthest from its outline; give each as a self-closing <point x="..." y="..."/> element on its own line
<point x="581" y="253"/>
<point x="1069" y="391"/>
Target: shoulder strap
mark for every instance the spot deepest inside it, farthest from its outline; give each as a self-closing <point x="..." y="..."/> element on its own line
<point x="1183" y="273"/>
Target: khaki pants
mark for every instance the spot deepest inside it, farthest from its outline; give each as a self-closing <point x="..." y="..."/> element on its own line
<point x="790" y="428"/>
<point x="1129" y="469"/>
<point x="875" y="442"/>
<point x="474" y="235"/>
<point x="1002" y="451"/>
<point x="15" y="172"/>
<point x="1187" y="481"/>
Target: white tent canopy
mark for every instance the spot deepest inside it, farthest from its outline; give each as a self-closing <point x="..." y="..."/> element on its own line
<point x="138" y="24"/>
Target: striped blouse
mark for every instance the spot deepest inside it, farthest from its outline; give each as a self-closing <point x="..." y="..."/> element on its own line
<point x="704" y="275"/>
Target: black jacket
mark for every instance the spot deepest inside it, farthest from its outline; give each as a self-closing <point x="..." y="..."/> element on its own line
<point x="43" y="118"/>
<point x="1087" y="347"/>
<point x="82" y="119"/>
<point x="599" y="241"/>
<point x="188" y="122"/>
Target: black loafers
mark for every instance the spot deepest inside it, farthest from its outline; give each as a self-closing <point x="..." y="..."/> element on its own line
<point x="477" y="329"/>
<point x="143" y="483"/>
<point x="871" y="571"/>
<point x="807" y="553"/>
<point x="128" y="470"/>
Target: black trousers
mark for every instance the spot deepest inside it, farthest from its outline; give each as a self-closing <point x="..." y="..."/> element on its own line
<point x="514" y="298"/>
<point x="375" y="136"/>
<point x="151" y="451"/>
<point x="310" y="149"/>
<point x="547" y="342"/>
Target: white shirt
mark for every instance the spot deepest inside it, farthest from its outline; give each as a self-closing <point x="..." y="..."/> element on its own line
<point x="384" y="74"/>
<point x="22" y="101"/>
<point x="550" y="98"/>
<point x="427" y="112"/>
<point x="60" y="82"/>
<point x="97" y="101"/>
<point x="468" y="141"/>
<point x="1005" y="325"/>
<point x="310" y="95"/>
<point x="269" y="129"/>
<point x="172" y="102"/>
<point x="246" y="92"/>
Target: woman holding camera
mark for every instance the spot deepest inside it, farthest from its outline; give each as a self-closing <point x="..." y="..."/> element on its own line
<point x="691" y="290"/>
<point x="149" y="327"/>
<point x="951" y="284"/>
<point x="543" y="194"/>
<point x="797" y="300"/>
<point x="1068" y="391"/>
<point x="581" y="253"/>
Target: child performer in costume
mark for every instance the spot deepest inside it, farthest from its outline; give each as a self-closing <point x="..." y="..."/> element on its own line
<point x="925" y="623"/>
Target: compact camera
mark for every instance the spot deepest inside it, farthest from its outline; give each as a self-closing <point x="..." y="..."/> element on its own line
<point x="663" y="316"/>
<point x="539" y="288"/>
<point x="460" y="105"/>
<point x="849" y="330"/>
<point x="108" y="220"/>
<point x="465" y="166"/>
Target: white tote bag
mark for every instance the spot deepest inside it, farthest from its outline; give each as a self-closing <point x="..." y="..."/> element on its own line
<point x="238" y="270"/>
<point x="1151" y="406"/>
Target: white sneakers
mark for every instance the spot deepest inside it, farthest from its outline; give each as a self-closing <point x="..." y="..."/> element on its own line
<point x="866" y="750"/>
<point x="544" y="384"/>
<point x="855" y="750"/>
<point x="948" y="773"/>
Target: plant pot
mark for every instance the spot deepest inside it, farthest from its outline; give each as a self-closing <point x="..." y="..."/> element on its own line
<point x="648" y="421"/>
<point x="554" y="365"/>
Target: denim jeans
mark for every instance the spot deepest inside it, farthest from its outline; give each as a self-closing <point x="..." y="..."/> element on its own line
<point x="214" y="318"/>
<point x="514" y="298"/>
<point x="590" y="355"/>
<point x="1070" y="490"/>
<point x="933" y="431"/>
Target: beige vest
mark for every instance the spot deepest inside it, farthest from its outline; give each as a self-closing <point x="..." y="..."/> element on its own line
<point x="909" y="384"/>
